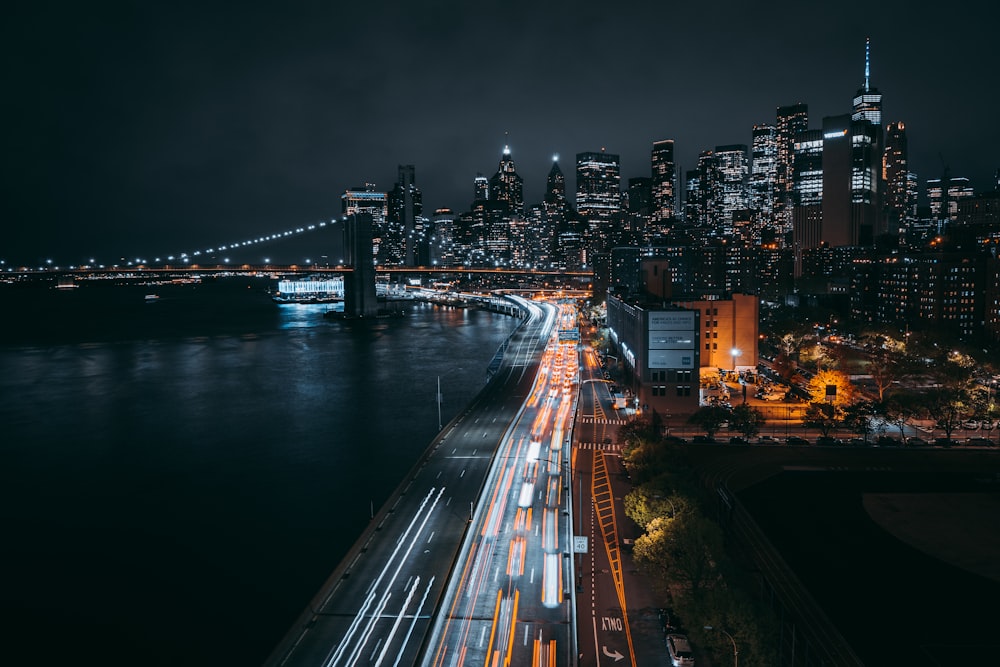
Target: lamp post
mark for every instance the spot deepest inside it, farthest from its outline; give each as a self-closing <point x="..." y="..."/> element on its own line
<point x="736" y="652"/>
<point x="734" y="353"/>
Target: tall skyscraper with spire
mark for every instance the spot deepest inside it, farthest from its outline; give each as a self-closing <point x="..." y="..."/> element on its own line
<point x="555" y="185"/>
<point x="506" y="186"/>
<point x="868" y="101"/>
<point x="838" y="177"/>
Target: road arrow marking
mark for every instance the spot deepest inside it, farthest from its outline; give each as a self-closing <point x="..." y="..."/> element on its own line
<point x="616" y="655"/>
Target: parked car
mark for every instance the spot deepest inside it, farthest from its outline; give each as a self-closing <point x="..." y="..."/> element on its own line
<point x="971" y="425"/>
<point x="826" y="441"/>
<point x="916" y="442"/>
<point x="887" y="441"/>
<point x="702" y="439"/>
<point x="680" y="652"/>
<point x="979" y="442"/>
<point x="858" y="442"/>
<point x="943" y="442"/>
<point x="737" y="440"/>
<point x="796" y="440"/>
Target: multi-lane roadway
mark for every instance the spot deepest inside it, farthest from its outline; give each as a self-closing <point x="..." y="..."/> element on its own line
<point x="510" y="598"/>
<point x="468" y="562"/>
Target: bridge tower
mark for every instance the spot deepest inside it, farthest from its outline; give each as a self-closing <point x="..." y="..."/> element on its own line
<point x="359" y="285"/>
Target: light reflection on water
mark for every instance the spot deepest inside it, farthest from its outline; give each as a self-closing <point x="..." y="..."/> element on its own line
<point x="305" y="315"/>
<point x="209" y="454"/>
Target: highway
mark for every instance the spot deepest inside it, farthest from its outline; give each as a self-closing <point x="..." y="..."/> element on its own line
<point x="379" y="605"/>
<point x="510" y="599"/>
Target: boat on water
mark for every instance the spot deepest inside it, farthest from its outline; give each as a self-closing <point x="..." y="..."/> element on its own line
<point x="66" y="283"/>
<point x="151" y="298"/>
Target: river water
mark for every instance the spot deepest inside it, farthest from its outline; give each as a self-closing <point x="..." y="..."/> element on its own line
<point x="178" y="478"/>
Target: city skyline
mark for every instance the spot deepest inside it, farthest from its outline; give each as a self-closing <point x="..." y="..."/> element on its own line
<point x="143" y="132"/>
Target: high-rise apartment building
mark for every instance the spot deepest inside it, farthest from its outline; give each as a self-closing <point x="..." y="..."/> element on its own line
<point x="662" y="161"/>
<point x="598" y="197"/>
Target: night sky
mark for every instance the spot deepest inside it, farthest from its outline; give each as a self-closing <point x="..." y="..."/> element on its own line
<point x="149" y="128"/>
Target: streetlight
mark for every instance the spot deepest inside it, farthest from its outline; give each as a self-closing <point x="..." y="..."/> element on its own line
<point x="735" y="352"/>
<point x="736" y="652"/>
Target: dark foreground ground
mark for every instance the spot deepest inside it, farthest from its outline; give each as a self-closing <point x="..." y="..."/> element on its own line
<point x="900" y="548"/>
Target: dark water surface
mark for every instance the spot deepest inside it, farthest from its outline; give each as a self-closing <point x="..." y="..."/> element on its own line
<point x="178" y="478"/>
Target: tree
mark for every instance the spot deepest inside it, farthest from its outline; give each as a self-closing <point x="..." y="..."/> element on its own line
<point x="823" y="416"/>
<point x="860" y="418"/>
<point x="746" y="419"/>
<point x="710" y="419"/>
<point x="636" y="430"/>
<point x="648" y="502"/>
<point x="886" y="362"/>
<point x="898" y="410"/>
<point x="833" y="387"/>
<point x="947" y="406"/>
<point x="683" y="550"/>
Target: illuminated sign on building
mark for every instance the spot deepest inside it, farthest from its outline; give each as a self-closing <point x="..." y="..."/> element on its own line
<point x="681" y="320"/>
<point x="671" y="340"/>
<point x="682" y="359"/>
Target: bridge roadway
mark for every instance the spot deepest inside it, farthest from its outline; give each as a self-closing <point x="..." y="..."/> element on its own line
<point x="378" y="606"/>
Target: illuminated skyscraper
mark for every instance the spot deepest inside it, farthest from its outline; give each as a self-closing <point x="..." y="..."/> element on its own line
<point x="728" y="186"/>
<point x="790" y="121"/>
<point x="944" y="194"/>
<point x="699" y="189"/>
<point x="442" y="242"/>
<point x="405" y="205"/>
<point x="837" y="178"/>
<point x="764" y="171"/>
<point x="552" y="217"/>
<point x="506" y="186"/>
<point x="598" y="197"/>
<point x="868" y="101"/>
<point x="662" y="161"/>
<point x="480" y="188"/>
<point x="640" y="208"/>
<point x="555" y="185"/>
<point x="899" y="204"/>
<point x="366" y="199"/>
